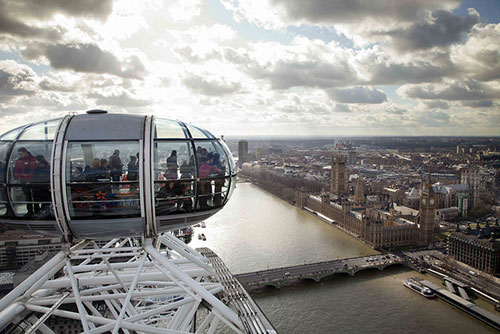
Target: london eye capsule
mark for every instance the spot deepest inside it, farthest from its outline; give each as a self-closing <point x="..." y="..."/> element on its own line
<point x="99" y="175"/>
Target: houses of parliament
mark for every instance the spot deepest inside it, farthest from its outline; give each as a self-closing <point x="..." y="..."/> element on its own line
<point x="379" y="226"/>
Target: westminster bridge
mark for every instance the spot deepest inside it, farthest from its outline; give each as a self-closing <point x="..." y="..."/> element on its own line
<point x="317" y="271"/>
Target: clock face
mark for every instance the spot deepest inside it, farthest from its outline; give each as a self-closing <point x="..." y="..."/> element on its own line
<point x="431" y="201"/>
<point x="423" y="201"/>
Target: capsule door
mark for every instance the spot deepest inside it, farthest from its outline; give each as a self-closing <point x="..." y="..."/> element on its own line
<point x="102" y="168"/>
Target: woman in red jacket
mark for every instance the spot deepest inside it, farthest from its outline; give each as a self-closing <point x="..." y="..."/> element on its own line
<point x="206" y="169"/>
<point x="24" y="171"/>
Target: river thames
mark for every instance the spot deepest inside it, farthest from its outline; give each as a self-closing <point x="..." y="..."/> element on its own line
<point x="257" y="231"/>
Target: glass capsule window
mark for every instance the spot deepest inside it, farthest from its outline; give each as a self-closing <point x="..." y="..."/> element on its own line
<point x="165" y="128"/>
<point x="213" y="172"/>
<point x="198" y="133"/>
<point x="12" y="134"/>
<point x="229" y="156"/>
<point x="28" y="179"/>
<point x="3" y="202"/>
<point x="102" y="179"/>
<point x="174" y="170"/>
<point x="41" y="131"/>
<point x="4" y="150"/>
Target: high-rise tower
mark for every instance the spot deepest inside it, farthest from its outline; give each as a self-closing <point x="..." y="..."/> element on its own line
<point x="338" y="185"/>
<point x="359" y="192"/>
<point x="427" y="214"/>
<point x="242" y="152"/>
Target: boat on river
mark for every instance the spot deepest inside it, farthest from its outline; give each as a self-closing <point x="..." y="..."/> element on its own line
<point x="415" y="285"/>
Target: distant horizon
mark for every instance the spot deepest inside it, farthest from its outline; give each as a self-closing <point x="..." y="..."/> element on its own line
<point x="346" y="136"/>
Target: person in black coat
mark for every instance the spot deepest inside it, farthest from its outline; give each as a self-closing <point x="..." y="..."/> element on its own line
<point x="133" y="172"/>
<point x="115" y="164"/>
<point x="41" y="190"/>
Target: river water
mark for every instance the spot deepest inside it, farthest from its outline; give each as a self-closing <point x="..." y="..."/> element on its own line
<point x="257" y="231"/>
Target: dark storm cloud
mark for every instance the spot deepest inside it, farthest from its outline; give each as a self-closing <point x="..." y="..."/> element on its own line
<point x="342" y="11"/>
<point x="15" y="15"/>
<point x="469" y="90"/>
<point x="414" y="72"/>
<point x="203" y="86"/>
<point x="43" y="9"/>
<point x="287" y="74"/>
<point x="445" y="29"/>
<point x="82" y="58"/>
<point x="17" y="84"/>
<point x="13" y="27"/>
<point x="89" y="58"/>
<point x="437" y="104"/>
<point x="478" y="104"/>
<point x="357" y="95"/>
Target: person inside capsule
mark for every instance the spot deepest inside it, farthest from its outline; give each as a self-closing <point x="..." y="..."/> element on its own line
<point x="24" y="171"/>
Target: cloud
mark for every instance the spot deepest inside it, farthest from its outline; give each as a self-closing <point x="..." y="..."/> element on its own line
<point x="418" y="71"/>
<point x="351" y="11"/>
<point x="434" y="118"/>
<point x="456" y="91"/>
<point x="396" y="110"/>
<point x="314" y="63"/>
<point x="443" y="29"/>
<point x="87" y="58"/>
<point x="340" y="107"/>
<point x="478" y="104"/>
<point x="437" y="104"/>
<point x="44" y="9"/>
<point x="214" y="87"/>
<point x="357" y="95"/>
<point x="479" y="57"/>
<point x="124" y="100"/>
<point x="286" y="74"/>
<point x="28" y="18"/>
<point x="275" y="14"/>
<point x="59" y="85"/>
<point x="260" y="13"/>
<point x="13" y="27"/>
<point x="16" y="80"/>
<point x="187" y="52"/>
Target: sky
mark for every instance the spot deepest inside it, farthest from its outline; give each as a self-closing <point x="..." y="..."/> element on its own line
<point x="258" y="67"/>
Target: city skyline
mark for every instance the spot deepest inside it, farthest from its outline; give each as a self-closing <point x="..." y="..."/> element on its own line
<point x="237" y="68"/>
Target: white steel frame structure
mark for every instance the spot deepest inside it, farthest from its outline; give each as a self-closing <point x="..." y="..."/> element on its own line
<point x="127" y="286"/>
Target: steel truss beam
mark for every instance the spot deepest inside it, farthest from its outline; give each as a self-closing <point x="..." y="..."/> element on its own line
<point x="129" y="285"/>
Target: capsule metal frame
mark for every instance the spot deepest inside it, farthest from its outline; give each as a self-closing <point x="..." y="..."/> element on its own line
<point x="142" y="213"/>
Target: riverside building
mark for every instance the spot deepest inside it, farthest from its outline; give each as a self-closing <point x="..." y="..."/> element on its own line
<point x="478" y="248"/>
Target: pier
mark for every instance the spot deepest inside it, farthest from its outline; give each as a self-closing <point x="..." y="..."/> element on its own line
<point x="477" y="312"/>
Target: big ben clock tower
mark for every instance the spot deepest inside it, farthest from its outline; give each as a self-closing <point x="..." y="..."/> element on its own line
<point x="427" y="214"/>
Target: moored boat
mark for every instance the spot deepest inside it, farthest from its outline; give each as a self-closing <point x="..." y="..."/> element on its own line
<point x="416" y="286"/>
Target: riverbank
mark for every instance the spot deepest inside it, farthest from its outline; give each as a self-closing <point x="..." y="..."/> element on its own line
<point x="485" y="288"/>
<point x="256" y="231"/>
